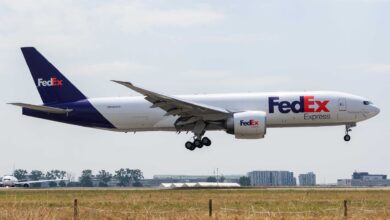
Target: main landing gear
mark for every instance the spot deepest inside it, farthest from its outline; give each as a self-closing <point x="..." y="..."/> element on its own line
<point x="347" y="130"/>
<point x="198" y="143"/>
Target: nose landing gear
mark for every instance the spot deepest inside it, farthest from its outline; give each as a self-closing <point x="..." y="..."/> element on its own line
<point x="347" y="130"/>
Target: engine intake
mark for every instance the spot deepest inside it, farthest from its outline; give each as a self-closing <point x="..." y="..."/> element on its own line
<point x="247" y="125"/>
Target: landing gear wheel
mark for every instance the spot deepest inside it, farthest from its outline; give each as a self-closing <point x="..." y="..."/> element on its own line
<point x="206" y="141"/>
<point x="190" y="146"/>
<point x="347" y="130"/>
<point x="198" y="143"/>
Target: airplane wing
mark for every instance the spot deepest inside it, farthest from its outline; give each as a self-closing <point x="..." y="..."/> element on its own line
<point x="176" y="106"/>
<point x="42" y="108"/>
<point x="37" y="181"/>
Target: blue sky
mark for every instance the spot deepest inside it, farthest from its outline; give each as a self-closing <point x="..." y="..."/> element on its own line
<point x="190" y="47"/>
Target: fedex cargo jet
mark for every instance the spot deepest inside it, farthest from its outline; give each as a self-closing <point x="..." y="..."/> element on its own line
<point x="244" y="115"/>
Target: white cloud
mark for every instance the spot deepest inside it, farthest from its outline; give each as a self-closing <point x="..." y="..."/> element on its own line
<point x="62" y="25"/>
<point x="379" y="68"/>
<point x="371" y="68"/>
<point x="231" y="82"/>
<point x="114" y="67"/>
<point x="138" y="17"/>
<point x="242" y="38"/>
<point x="59" y="16"/>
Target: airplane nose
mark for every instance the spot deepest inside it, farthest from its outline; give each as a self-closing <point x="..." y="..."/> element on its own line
<point x="376" y="110"/>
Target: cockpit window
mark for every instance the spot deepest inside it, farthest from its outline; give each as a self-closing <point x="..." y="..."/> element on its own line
<point x="367" y="102"/>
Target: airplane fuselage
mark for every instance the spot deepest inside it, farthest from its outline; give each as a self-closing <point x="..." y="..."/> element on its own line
<point x="9" y="181"/>
<point x="283" y="109"/>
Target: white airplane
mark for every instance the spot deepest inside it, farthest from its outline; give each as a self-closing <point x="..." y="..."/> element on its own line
<point x="245" y="115"/>
<point x="11" y="181"/>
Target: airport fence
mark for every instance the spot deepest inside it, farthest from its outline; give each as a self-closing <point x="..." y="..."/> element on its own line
<point x="344" y="210"/>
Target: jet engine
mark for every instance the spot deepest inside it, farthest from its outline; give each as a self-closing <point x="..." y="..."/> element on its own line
<point x="247" y="125"/>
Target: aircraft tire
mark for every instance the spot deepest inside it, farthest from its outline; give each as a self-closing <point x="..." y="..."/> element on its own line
<point x="190" y="146"/>
<point x="206" y="141"/>
<point x="347" y="138"/>
<point x="198" y="143"/>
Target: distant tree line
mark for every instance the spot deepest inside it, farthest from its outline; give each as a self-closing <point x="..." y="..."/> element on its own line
<point x="243" y="181"/>
<point x="213" y="179"/>
<point x="22" y="174"/>
<point x="123" y="177"/>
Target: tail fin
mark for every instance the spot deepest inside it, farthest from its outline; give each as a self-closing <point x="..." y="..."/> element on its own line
<point x="52" y="86"/>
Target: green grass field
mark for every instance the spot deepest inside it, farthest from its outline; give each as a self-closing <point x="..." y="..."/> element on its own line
<point x="193" y="203"/>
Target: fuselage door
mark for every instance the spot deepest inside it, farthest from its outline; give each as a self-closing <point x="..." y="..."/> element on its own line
<point x="342" y="104"/>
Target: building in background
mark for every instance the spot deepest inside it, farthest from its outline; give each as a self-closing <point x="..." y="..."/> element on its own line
<point x="365" y="179"/>
<point x="307" y="179"/>
<point x="367" y="176"/>
<point x="272" y="178"/>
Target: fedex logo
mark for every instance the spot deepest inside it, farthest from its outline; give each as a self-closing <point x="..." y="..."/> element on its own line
<point x="251" y="122"/>
<point x="53" y="81"/>
<point x="304" y="104"/>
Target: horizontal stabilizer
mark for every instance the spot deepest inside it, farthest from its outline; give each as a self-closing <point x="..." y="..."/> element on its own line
<point x="42" y="108"/>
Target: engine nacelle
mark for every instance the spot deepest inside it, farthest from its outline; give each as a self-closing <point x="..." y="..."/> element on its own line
<point x="247" y="125"/>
